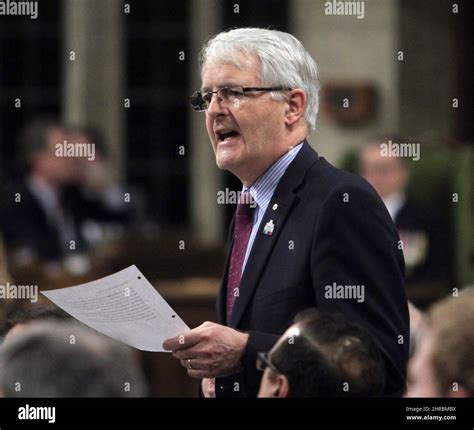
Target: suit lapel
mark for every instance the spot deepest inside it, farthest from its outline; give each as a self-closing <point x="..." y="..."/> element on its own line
<point x="284" y="196"/>
<point x="222" y="296"/>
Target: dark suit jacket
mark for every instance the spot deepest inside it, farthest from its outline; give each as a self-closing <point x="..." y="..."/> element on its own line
<point x="437" y="266"/>
<point x="330" y="226"/>
<point x="25" y="225"/>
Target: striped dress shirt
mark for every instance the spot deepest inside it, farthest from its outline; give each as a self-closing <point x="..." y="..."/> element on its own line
<point x="262" y="191"/>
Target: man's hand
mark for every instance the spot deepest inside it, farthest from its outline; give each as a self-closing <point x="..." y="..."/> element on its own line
<point x="209" y="350"/>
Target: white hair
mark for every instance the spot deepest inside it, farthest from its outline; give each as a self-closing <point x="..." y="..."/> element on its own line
<point x="284" y="61"/>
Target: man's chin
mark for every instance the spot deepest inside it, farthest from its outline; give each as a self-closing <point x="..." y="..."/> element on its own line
<point x="224" y="164"/>
<point x="226" y="161"/>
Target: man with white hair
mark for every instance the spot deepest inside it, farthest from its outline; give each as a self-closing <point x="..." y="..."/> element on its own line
<point x="305" y="234"/>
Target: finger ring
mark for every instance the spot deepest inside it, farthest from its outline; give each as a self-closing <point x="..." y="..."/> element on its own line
<point x="189" y="364"/>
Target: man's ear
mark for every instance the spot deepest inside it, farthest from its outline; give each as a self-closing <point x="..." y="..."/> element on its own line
<point x="296" y="106"/>
<point x="282" y="387"/>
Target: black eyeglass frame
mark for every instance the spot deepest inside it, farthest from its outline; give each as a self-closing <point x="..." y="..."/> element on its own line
<point x="200" y="95"/>
<point x="263" y="361"/>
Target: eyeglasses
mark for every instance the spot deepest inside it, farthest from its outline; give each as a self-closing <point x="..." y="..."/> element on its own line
<point x="263" y="361"/>
<point x="230" y="95"/>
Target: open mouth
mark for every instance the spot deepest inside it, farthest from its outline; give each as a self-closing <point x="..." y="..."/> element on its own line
<point x="224" y="135"/>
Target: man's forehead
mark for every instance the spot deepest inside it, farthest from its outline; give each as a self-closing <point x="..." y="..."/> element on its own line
<point x="217" y="73"/>
<point x="373" y="152"/>
<point x="55" y="133"/>
<point x="237" y="58"/>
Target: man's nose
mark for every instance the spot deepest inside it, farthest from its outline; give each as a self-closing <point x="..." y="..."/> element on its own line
<point x="216" y="106"/>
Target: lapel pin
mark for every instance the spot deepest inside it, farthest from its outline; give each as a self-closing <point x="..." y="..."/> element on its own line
<point x="275" y="207"/>
<point x="269" y="227"/>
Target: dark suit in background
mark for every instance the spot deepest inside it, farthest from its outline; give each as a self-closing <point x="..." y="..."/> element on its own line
<point x="429" y="237"/>
<point x="26" y="226"/>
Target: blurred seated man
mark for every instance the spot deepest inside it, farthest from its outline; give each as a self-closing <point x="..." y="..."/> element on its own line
<point x="322" y="355"/>
<point x="443" y="363"/>
<point x="425" y="238"/>
<point x="40" y="217"/>
<point x="67" y="360"/>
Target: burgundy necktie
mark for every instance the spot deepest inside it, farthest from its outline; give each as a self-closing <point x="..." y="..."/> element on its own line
<point x="242" y="229"/>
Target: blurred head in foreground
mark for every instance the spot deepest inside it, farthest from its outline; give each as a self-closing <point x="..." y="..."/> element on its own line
<point x="67" y="360"/>
<point x="322" y="355"/>
<point x="23" y="317"/>
<point x="443" y="363"/>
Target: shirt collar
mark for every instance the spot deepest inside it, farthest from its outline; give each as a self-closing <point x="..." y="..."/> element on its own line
<point x="45" y="193"/>
<point x="394" y="203"/>
<point x="263" y="188"/>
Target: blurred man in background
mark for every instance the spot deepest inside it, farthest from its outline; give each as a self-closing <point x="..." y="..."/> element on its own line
<point x="424" y="237"/>
<point x="43" y="216"/>
<point x="322" y="355"/>
<point x="443" y="364"/>
<point x="67" y="360"/>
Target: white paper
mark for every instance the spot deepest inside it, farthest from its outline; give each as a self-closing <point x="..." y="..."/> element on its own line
<point x="124" y="306"/>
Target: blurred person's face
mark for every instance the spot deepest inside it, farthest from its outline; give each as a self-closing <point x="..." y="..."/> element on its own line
<point x="422" y="380"/>
<point x="386" y="174"/>
<point x="46" y="164"/>
<point x="421" y="374"/>
<point x="257" y="121"/>
<point x="88" y="171"/>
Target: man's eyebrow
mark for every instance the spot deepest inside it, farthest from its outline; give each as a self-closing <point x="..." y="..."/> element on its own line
<point x="224" y="84"/>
